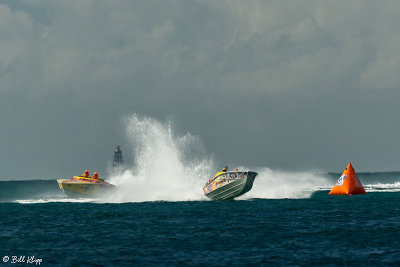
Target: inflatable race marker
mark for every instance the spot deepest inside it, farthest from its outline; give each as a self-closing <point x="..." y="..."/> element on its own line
<point x="348" y="183"/>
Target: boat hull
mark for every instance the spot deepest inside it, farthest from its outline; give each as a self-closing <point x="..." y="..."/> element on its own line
<point x="229" y="185"/>
<point x="88" y="190"/>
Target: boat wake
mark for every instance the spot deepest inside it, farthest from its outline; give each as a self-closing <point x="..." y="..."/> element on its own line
<point x="172" y="167"/>
<point x="276" y="184"/>
<point x="379" y="187"/>
<point x="167" y="166"/>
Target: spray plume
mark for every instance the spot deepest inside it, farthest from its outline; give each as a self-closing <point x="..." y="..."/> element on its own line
<point x="172" y="167"/>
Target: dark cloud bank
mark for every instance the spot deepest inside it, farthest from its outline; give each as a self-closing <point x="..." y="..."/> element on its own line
<point x="294" y="85"/>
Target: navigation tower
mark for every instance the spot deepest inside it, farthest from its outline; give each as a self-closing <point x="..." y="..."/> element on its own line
<point x="118" y="159"/>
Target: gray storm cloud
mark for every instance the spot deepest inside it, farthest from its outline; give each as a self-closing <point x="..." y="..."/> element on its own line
<point x="297" y="85"/>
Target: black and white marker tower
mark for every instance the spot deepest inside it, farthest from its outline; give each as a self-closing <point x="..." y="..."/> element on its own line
<point x="118" y="160"/>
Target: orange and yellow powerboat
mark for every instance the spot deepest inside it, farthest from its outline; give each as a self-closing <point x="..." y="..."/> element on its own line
<point x="79" y="186"/>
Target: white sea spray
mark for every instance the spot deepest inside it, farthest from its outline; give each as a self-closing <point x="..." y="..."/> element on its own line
<point x="165" y="167"/>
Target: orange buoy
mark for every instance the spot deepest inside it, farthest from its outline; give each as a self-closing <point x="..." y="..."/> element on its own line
<point x="348" y="183"/>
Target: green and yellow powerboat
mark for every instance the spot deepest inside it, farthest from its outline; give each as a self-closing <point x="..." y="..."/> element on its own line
<point x="79" y="186"/>
<point x="227" y="185"/>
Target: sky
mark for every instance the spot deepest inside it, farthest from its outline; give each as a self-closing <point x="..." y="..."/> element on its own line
<point x="291" y="85"/>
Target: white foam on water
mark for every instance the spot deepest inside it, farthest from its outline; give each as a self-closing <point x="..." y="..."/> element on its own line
<point x="172" y="167"/>
<point x="277" y="184"/>
<point x="379" y="187"/>
<point x="167" y="166"/>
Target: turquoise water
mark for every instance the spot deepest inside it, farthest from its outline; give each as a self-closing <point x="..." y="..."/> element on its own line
<point x="322" y="230"/>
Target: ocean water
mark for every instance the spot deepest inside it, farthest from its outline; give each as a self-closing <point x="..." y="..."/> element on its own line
<point x="160" y="217"/>
<point x="37" y="220"/>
